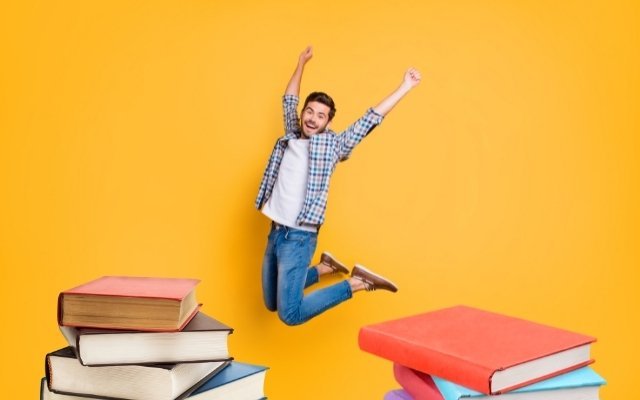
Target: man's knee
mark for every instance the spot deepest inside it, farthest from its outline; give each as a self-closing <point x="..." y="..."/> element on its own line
<point x="290" y="318"/>
<point x="271" y="306"/>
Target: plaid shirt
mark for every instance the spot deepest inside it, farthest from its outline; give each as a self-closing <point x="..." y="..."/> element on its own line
<point x="325" y="150"/>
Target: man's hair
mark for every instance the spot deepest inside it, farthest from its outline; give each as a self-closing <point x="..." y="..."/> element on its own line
<point x="322" y="98"/>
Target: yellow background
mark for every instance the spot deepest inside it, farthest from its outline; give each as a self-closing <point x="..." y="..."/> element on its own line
<point x="134" y="136"/>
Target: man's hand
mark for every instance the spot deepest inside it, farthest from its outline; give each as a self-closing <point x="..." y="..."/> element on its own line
<point x="412" y="78"/>
<point x="305" y="56"/>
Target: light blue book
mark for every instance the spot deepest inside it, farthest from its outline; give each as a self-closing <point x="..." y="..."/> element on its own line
<point x="581" y="384"/>
<point x="238" y="381"/>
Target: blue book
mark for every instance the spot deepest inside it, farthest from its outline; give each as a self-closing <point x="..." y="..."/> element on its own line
<point x="582" y="384"/>
<point x="237" y="381"/>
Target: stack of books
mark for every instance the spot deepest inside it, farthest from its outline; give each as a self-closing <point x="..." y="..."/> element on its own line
<point x="466" y="353"/>
<point x="141" y="338"/>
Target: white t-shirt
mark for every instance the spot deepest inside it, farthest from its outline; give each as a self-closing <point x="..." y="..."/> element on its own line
<point x="289" y="191"/>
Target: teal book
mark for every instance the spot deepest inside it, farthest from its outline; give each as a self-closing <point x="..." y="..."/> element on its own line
<point x="582" y="384"/>
<point x="237" y="381"/>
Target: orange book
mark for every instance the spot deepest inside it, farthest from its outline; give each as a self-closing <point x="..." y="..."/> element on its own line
<point x="127" y="302"/>
<point x="488" y="352"/>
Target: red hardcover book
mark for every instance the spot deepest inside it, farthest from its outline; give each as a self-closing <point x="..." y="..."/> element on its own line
<point x="127" y="302"/>
<point x="484" y="351"/>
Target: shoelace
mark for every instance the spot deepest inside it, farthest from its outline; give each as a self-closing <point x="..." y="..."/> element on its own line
<point x="368" y="286"/>
<point x="334" y="270"/>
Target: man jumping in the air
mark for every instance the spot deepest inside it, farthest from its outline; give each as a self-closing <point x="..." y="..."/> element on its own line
<point x="293" y="194"/>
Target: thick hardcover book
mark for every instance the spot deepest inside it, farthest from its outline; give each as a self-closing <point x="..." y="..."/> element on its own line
<point x="238" y="381"/>
<point x="202" y="339"/>
<point x="65" y="375"/>
<point x="46" y="394"/>
<point x="485" y="351"/>
<point x="582" y="384"/>
<point x="126" y="302"/>
<point x="418" y="385"/>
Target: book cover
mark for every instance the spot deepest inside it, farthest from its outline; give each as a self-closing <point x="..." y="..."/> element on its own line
<point x="128" y="302"/>
<point x="65" y="375"/>
<point x="583" y="383"/>
<point x="135" y="286"/>
<point x="485" y="351"/>
<point x="238" y="381"/>
<point x="202" y="339"/>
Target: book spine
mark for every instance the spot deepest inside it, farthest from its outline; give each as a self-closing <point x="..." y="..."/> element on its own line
<point x="60" y="309"/>
<point x="422" y="358"/>
<point x="47" y="372"/>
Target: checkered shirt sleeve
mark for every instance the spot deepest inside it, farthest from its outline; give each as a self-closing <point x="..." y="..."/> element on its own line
<point x="347" y="140"/>
<point x="290" y="112"/>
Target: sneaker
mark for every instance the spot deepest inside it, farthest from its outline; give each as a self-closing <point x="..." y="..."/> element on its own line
<point x="371" y="280"/>
<point x="328" y="260"/>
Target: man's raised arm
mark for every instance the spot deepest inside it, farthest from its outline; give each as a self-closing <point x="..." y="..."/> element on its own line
<point x="289" y="102"/>
<point x="293" y="88"/>
<point x="361" y="128"/>
<point x="411" y="79"/>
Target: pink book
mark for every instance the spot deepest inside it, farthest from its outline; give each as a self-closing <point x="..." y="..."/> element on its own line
<point x="417" y="384"/>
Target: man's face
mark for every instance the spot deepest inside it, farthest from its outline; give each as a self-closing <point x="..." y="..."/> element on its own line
<point x="314" y="118"/>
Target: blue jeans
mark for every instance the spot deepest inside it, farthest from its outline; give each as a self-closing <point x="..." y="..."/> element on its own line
<point x="286" y="273"/>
